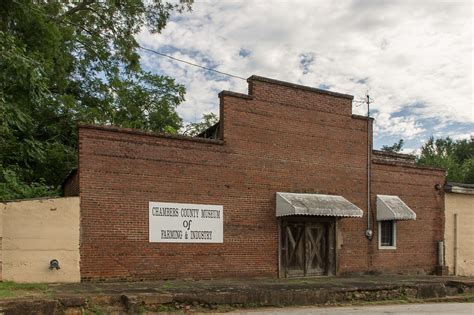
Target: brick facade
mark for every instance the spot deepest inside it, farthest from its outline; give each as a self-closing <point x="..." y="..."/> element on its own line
<point x="280" y="137"/>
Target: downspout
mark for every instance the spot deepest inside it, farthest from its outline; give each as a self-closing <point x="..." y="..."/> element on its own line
<point x="279" y="247"/>
<point x="455" y="244"/>
<point x="368" y="233"/>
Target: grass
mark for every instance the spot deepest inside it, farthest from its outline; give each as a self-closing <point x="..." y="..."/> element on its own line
<point x="164" y="308"/>
<point x="467" y="297"/>
<point x="167" y="285"/>
<point x="13" y="289"/>
<point x="92" y="309"/>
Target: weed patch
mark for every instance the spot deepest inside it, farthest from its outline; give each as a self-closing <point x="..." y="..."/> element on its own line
<point x="13" y="289"/>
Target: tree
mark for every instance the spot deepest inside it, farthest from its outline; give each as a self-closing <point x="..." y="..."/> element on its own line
<point x="62" y="62"/>
<point x="394" y="148"/>
<point x="468" y="170"/>
<point x="207" y="121"/>
<point x="457" y="157"/>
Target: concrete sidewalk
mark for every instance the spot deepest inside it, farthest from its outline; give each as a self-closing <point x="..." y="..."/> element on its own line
<point x="209" y="295"/>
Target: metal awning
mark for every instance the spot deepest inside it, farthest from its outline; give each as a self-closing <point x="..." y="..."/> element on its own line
<point x="393" y="208"/>
<point x="315" y="204"/>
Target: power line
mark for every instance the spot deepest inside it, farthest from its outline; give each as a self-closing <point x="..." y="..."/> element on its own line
<point x="192" y="64"/>
<point x="358" y="102"/>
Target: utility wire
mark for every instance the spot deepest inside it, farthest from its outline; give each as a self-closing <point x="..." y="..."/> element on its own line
<point x="217" y="71"/>
<point x="192" y="64"/>
<point x="358" y="103"/>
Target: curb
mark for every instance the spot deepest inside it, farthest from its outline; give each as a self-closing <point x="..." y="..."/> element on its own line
<point x="210" y="300"/>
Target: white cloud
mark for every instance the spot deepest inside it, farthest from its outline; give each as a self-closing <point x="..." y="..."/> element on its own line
<point x="462" y="136"/>
<point x="411" y="151"/>
<point x="408" y="126"/>
<point x="456" y="135"/>
<point x="404" y="52"/>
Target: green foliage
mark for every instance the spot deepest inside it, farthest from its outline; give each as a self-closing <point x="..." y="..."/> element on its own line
<point x="12" y="186"/>
<point x="468" y="170"/>
<point x="394" y="148"/>
<point x="457" y="157"/>
<point x="93" y="309"/>
<point x="208" y="120"/>
<point x="62" y="62"/>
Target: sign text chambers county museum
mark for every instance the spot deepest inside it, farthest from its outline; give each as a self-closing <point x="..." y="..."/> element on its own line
<point x="185" y="223"/>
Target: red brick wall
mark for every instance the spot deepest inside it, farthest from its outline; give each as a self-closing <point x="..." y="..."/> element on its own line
<point x="281" y="138"/>
<point x="416" y="240"/>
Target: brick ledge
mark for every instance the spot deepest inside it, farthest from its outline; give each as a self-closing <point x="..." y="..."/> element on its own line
<point x="150" y="134"/>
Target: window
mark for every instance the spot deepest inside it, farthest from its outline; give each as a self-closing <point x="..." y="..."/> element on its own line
<point x="387" y="235"/>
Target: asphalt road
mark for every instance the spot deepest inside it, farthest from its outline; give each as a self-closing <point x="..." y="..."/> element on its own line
<point x="418" y="309"/>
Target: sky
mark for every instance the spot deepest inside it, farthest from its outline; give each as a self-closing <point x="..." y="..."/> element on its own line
<point x="414" y="58"/>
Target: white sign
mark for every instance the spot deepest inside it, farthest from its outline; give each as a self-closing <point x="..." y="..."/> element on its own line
<point x="185" y="223"/>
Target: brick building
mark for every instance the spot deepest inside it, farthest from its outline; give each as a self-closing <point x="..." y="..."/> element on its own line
<point x="288" y="167"/>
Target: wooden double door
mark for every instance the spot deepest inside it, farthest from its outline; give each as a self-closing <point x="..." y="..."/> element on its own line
<point x="307" y="246"/>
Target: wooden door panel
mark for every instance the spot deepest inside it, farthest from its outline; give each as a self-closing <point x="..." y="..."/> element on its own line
<point x="316" y="248"/>
<point x="306" y="248"/>
<point x="295" y="258"/>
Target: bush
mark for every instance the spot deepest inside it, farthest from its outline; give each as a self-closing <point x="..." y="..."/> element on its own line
<point x="13" y="187"/>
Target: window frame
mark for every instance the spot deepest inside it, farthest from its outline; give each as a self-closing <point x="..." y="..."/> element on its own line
<point x="394" y="235"/>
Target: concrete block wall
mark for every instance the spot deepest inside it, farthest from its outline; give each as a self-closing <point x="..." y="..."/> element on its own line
<point x="460" y="236"/>
<point x="33" y="232"/>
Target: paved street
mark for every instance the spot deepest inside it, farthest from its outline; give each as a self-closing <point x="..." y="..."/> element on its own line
<point x="419" y="309"/>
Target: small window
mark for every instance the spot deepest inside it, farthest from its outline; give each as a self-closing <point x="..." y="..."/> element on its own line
<point x="387" y="235"/>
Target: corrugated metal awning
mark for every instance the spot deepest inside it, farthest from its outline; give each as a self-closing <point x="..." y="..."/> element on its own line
<point x="315" y="204"/>
<point x="393" y="208"/>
